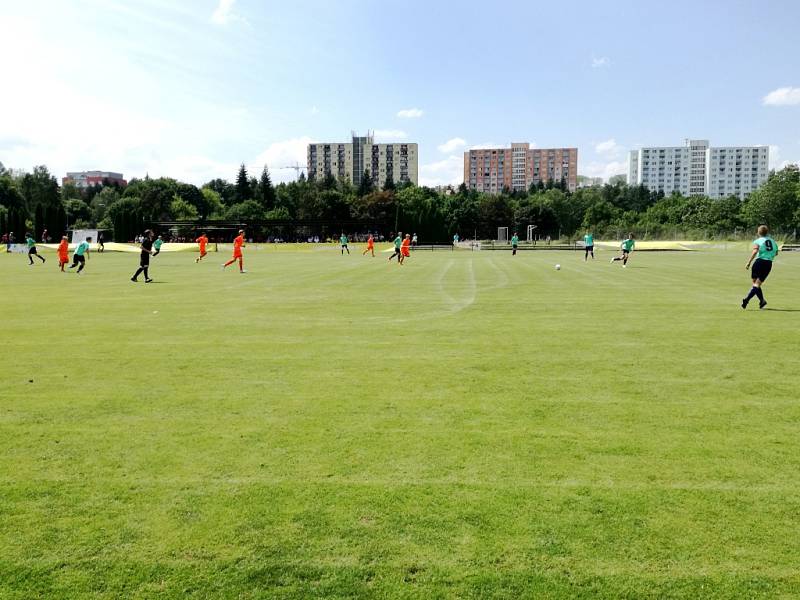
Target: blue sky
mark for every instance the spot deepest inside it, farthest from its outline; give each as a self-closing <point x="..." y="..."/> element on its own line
<point x="191" y="89"/>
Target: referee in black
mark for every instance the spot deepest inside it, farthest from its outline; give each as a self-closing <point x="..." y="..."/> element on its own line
<point x="144" y="259"/>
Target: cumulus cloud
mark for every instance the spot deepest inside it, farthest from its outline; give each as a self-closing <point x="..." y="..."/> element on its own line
<point x="280" y="155"/>
<point x="223" y="14"/>
<point x="601" y="62"/>
<point x="389" y="135"/>
<point x="605" y="169"/>
<point x="410" y="113"/>
<point x="449" y="171"/>
<point x="452" y="145"/>
<point x="608" y="148"/>
<point x="785" y="96"/>
<point x="484" y="145"/>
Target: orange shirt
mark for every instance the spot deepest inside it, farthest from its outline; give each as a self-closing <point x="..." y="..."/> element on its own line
<point x="404" y="247"/>
<point x="63" y="248"/>
<point x="237" y="245"/>
<point x="370" y="242"/>
<point x="202" y="240"/>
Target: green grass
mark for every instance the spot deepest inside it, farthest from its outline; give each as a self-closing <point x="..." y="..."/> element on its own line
<point x="470" y="425"/>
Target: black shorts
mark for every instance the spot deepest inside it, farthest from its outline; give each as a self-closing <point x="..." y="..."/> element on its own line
<point x="624" y="252"/>
<point x="761" y="269"/>
<point x="144" y="260"/>
<point x="78" y="258"/>
<point x="590" y="248"/>
<point x="32" y="250"/>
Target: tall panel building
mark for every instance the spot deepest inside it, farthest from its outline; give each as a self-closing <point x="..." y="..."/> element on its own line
<point x="517" y="168"/>
<point x="698" y="169"/>
<point x="348" y="161"/>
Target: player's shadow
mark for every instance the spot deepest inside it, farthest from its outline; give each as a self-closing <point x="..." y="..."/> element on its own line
<point x="783" y="309"/>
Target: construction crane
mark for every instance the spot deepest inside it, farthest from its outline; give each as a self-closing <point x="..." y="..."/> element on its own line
<point x="297" y="168"/>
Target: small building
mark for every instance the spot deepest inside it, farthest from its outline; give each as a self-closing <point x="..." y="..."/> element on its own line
<point x="85" y="179"/>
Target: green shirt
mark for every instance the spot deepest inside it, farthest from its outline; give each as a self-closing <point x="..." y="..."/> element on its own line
<point x="588" y="239"/>
<point x="767" y="248"/>
<point x="628" y="244"/>
<point x="30" y="241"/>
<point x="157" y="244"/>
<point x="514" y="240"/>
<point x="397" y="242"/>
<point x="343" y="239"/>
<point x="82" y="247"/>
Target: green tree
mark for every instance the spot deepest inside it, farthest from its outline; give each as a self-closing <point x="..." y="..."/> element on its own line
<point x="13" y="201"/>
<point x="125" y="215"/>
<point x="102" y="202"/>
<point x="181" y="210"/>
<point x="154" y="195"/>
<point x="266" y="191"/>
<point x="776" y="202"/>
<point x="366" y="185"/>
<point x="249" y="210"/>
<point x="214" y="207"/>
<point x="243" y="190"/>
<point x="192" y="195"/>
<point x="223" y="189"/>
<point x="77" y="210"/>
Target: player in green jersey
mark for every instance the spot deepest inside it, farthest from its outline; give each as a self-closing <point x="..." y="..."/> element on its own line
<point x="398" y="241"/>
<point x="765" y="249"/>
<point x="157" y="245"/>
<point x="32" y="249"/>
<point x="343" y="242"/>
<point x="588" y="245"/>
<point x="627" y="247"/>
<point x="81" y="252"/>
<point x="514" y="244"/>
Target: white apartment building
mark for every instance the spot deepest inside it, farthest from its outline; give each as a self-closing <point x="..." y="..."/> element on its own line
<point x="696" y="169"/>
<point x="349" y="161"/>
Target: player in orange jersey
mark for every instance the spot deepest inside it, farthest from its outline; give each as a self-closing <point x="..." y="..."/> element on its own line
<point x="63" y="253"/>
<point x="237" y="252"/>
<point x="201" y="241"/>
<point x="405" y="248"/>
<point x="370" y="245"/>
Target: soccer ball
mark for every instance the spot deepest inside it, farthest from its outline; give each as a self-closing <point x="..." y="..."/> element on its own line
<point x="558" y="267"/>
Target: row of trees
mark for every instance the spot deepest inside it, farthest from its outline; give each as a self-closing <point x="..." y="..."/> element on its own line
<point x="35" y="201"/>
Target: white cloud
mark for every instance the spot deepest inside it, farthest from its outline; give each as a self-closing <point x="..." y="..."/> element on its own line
<point x="452" y="145"/>
<point x="449" y="171"/>
<point x="410" y="113"/>
<point x="389" y="135"/>
<point x="600" y="63"/>
<point x="605" y="169"/>
<point x="608" y="148"/>
<point x="278" y="156"/>
<point x="314" y="110"/>
<point x="484" y="145"/>
<point x="223" y="14"/>
<point x="785" y="96"/>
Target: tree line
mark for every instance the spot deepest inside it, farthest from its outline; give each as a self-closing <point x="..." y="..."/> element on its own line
<point x="32" y="202"/>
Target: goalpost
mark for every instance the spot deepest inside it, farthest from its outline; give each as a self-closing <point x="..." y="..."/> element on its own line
<point x="502" y="234"/>
<point x="531" y="229"/>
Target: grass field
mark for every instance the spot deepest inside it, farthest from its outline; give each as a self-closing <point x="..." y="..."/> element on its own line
<point x="470" y="425"/>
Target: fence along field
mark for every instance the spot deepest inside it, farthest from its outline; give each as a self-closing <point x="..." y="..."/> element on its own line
<point x="468" y="424"/>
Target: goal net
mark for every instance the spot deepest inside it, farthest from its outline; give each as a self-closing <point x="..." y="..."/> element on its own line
<point x="502" y="234"/>
<point x="531" y="229"/>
